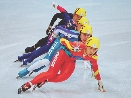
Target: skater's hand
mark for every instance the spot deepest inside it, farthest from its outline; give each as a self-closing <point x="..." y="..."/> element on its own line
<point x="76" y="49"/>
<point x="48" y="30"/>
<point x="55" y="4"/>
<point x="101" y="86"/>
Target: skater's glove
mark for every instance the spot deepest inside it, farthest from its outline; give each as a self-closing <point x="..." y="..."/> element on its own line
<point x="76" y="49"/>
<point x="101" y="86"/>
<point x="55" y="4"/>
<point x="48" y="30"/>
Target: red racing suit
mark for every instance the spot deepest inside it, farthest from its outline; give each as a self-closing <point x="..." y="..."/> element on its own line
<point x="62" y="65"/>
<point x="77" y="50"/>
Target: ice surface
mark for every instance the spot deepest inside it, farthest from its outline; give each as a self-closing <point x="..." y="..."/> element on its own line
<point x="23" y="22"/>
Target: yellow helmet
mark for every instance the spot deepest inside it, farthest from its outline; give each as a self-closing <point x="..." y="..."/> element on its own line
<point x="83" y="21"/>
<point x="86" y="29"/>
<point x="80" y="12"/>
<point x="93" y="42"/>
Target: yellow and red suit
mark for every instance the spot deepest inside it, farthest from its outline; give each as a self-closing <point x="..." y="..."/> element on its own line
<point x="80" y="53"/>
<point x="63" y="65"/>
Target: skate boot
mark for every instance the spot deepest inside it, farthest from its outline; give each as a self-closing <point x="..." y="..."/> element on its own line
<point x="39" y="85"/>
<point x="22" y="73"/>
<point x="24" y="87"/>
<point x="19" y="59"/>
<point x="24" y="63"/>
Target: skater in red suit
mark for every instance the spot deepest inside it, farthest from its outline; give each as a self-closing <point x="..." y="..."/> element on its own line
<point x="61" y="62"/>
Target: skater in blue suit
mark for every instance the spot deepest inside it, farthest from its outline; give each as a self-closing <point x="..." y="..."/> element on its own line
<point x="40" y="64"/>
<point x="71" y="35"/>
<point x="69" y="24"/>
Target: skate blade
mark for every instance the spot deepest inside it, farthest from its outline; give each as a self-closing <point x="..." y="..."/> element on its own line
<point x="16" y="61"/>
<point x="31" y="73"/>
<point x="34" y="88"/>
<point x="21" y="65"/>
<point x="17" y="77"/>
<point x="19" y="90"/>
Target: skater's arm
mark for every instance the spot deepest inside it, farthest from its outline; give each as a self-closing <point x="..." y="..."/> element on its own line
<point x="97" y="75"/>
<point x="55" y="17"/>
<point x="68" y="33"/>
<point x="41" y="42"/>
<point x="72" y="46"/>
<point x="95" y="69"/>
<point x="58" y="7"/>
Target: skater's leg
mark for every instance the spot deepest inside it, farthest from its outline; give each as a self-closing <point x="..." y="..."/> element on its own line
<point x="40" y="43"/>
<point x="38" y="53"/>
<point x="65" y="72"/>
<point x="38" y="64"/>
<point x="54" y="68"/>
<point x="24" y="56"/>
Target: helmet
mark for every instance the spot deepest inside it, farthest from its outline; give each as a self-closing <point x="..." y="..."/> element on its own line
<point x="80" y="12"/>
<point x="86" y="29"/>
<point x="83" y="21"/>
<point x="93" y="42"/>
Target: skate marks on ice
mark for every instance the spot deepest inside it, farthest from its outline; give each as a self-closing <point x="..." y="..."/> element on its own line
<point x="49" y="92"/>
<point x="117" y="43"/>
<point x="41" y="93"/>
<point x="117" y="80"/>
<point x="65" y="90"/>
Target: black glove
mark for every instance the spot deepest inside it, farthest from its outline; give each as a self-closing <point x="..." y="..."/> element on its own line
<point x="29" y="49"/>
<point x="48" y="30"/>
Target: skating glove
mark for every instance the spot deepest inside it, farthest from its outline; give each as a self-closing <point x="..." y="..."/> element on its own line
<point x="48" y="30"/>
<point x="101" y="86"/>
<point x="55" y="4"/>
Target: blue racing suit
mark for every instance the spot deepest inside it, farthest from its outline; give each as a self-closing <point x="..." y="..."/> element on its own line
<point x="28" y="58"/>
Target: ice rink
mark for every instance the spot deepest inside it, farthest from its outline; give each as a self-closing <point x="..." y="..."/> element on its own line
<point x="24" y="22"/>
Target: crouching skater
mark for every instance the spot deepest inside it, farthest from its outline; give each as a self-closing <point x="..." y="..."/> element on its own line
<point x="69" y="24"/>
<point x="39" y="64"/>
<point x="70" y="34"/>
<point x="63" y="62"/>
<point x="82" y="27"/>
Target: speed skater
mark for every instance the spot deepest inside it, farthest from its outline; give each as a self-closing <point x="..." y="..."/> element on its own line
<point x="38" y="65"/>
<point x="59" y="63"/>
